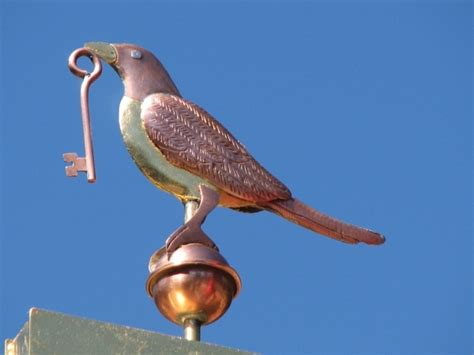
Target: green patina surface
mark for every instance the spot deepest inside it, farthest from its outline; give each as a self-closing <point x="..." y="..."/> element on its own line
<point x="149" y="159"/>
<point x="54" y="333"/>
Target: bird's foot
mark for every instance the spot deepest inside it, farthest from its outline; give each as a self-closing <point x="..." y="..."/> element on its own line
<point x="187" y="234"/>
<point x="191" y="231"/>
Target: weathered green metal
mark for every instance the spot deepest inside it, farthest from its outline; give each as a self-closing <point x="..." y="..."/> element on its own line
<point x="48" y="332"/>
<point x="150" y="160"/>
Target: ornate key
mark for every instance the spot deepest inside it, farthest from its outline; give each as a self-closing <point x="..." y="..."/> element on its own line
<point x="85" y="164"/>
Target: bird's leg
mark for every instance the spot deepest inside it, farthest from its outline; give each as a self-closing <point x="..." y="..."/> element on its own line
<point x="191" y="231"/>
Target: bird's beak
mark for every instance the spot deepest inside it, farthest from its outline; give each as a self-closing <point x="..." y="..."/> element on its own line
<point x="104" y="50"/>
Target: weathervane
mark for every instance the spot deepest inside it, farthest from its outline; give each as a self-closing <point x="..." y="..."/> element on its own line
<point x="183" y="150"/>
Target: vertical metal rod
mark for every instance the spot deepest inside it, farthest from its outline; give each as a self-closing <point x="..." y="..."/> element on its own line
<point x="190" y="209"/>
<point x="191" y="326"/>
<point x="192" y="329"/>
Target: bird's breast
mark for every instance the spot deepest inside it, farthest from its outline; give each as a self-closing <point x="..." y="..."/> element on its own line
<point x="149" y="159"/>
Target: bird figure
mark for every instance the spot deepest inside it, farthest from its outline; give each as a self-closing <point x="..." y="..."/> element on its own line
<point x="185" y="151"/>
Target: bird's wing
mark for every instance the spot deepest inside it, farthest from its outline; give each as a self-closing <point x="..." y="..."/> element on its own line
<point x="191" y="139"/>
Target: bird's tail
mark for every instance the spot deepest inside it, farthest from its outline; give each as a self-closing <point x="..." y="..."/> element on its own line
<point x="299" y="213"/>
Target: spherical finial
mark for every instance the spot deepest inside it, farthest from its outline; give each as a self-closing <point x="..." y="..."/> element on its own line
<point x="194" y="283"/>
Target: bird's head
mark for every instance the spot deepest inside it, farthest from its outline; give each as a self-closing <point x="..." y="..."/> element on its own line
<point x="141" y="72"/>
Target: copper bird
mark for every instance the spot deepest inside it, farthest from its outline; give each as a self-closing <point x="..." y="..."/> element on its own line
<point x="185" y="151"/>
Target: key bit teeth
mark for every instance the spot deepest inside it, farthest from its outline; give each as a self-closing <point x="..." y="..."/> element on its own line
<point x="71" y="170"/>
<point x="69" y="157"/>
<point x="77" y="164"/>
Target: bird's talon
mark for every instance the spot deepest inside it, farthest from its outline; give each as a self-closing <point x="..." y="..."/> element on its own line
<point x="188" y="234"/>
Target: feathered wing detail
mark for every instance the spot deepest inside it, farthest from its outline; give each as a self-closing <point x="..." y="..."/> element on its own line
<point x="191" y="139"/>
<point x="299" y="213"/>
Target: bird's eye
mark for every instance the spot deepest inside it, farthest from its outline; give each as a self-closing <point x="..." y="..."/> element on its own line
<point x="136" y="54"/>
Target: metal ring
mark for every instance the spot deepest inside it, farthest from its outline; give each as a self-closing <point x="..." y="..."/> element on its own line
<point x="82" y="73"/>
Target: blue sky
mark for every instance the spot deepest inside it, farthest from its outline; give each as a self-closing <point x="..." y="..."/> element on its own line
<point x="363" y="109"/>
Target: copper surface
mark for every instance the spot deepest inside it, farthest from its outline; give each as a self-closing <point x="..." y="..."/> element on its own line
<point x="192" y="139"/>
<point x="84" y="164"/>
<point x="180" y="146"/>
<point x="196" y="282"/>
<point x="190" y="231"/>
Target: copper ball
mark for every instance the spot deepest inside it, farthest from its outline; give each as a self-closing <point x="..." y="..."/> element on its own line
<point x="195" y="282"/>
